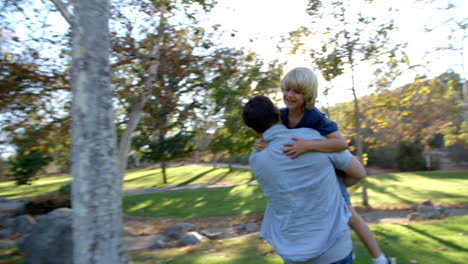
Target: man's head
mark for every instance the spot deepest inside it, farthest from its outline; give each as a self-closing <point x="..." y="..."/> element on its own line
<point x="259" y="113"/>
<point x="303" y="81"/>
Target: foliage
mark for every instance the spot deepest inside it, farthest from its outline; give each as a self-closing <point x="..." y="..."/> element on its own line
<point x="410" y="157"/>
<point x="31" y="156"/>
<point x="26" y="165"/>
<point x="165" y="149"/>
<point x="238" y="80"/>
<point x="425" y="112"/>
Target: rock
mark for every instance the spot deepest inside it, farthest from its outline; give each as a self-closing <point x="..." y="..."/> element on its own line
<point x="177" y="231"/>
<point x="428" y="212"/>
<point x="213" y="233"/>
<point x="10" y="209"/>
<point x="413" y="207"/>
<point x="159" y="242"/>
<point x="427" y="202"/>
<point x="191" y="238"/>
<point x="442" y="210"/>
<point x="23" y="224"/>
<point x="5" y="232"/>
<point x="415" y="216"/>
<point x="7" y="244"/>
<point x="50" y="241"/>
<point x="251" y="227"/>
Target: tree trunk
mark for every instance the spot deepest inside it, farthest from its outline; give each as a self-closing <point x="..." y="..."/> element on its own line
<point x="137" y="108"/>
<point x="63" y="9"/>
<point x="215" y="160"/>
<point x="465" y="105"/>
<point x="96" y="190"/>
<point x="230" y="162"/>
<point x="163" y="168"/>
<point x="358" y="137"/>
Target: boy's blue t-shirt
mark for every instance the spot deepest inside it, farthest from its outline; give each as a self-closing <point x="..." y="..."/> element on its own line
<point x="312" y="118"/>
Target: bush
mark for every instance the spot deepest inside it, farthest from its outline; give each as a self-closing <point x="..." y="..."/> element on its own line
<point x="49" y="202"/>
<point x="383" y="157"/>
<point x="26" y="165"/>
<point x="410" y="157"/>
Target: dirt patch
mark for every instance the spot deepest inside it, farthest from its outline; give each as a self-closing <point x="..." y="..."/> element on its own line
<point x="139" y="226"/>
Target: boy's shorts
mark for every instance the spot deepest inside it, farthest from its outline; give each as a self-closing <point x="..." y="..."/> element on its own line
<point x="340" y="175"/>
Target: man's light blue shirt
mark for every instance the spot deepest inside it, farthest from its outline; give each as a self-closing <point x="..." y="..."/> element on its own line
<point x="306" y="212"/>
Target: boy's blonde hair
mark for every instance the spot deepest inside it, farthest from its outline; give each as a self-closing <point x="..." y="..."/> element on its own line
<point x="304" y="81"/>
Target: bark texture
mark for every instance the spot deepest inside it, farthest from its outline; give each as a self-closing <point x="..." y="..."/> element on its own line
<point x="96" y="192"/>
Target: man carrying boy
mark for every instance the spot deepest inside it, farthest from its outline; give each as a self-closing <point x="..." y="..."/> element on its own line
<point x="306" y="219"/>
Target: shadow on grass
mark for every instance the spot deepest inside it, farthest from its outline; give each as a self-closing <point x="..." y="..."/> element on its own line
<point x="139" y="178"/>
<point x="382" y="188"/>
<point x="196" y="177"/>
<point x="443" y="175"/>
<point x="239" y="200"/>
<point x="435" y="238"/>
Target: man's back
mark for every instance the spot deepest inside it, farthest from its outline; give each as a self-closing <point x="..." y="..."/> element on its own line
<point x="306" y="213"/>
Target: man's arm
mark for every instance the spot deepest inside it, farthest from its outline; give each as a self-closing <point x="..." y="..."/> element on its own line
<point x="354" y="172"/>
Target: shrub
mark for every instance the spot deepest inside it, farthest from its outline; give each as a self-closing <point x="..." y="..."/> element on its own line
<point x="26" y="165"/>
<point x="410" y="157"/>
<point x="49" y="202"/>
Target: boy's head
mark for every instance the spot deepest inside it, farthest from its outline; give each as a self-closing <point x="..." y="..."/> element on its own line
<point x="259" y="113"/>
<point x="304" y="81"/>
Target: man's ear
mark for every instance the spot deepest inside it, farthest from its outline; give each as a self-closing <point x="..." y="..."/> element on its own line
<point x="279" y="115"/>
<point x="255" y="131"/>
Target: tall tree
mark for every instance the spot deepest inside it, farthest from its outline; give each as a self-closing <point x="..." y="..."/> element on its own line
<point x="238" y="79"/>
<point x="350" y="40"/>
<point x="454" y="28"/>
<point x="96" y="190"/>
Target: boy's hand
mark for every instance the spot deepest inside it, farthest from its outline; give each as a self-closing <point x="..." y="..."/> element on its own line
<point x="260" y="145"/>
<point x="296" y="148"/>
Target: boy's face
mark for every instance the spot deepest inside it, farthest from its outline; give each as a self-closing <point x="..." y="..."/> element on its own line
<point x="293" y="99"/>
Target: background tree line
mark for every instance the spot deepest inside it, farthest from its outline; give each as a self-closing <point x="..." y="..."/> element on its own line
<point x="175" y="86"/>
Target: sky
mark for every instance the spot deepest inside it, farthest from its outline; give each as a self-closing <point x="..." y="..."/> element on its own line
<point x="259" y="25"/>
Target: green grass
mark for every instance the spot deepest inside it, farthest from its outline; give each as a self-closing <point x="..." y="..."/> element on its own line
<point x="415" y="187"/>
<point x="238" y="200"/>
<point x="439" y="242"/>
<point x="384" y="190"/>
<point x="185" y="175"/>
<point x="38" y="187"/>
<point x="425" y="243"/>
<point x="135" y="179"/>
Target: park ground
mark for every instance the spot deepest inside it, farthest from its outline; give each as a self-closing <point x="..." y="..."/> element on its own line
<point x="233" y="199"/>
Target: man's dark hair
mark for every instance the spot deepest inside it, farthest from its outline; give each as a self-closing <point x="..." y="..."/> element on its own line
<point x="260" y="113"/>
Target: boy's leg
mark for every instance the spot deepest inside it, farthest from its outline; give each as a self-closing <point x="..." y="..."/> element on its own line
<point x="364" y="233"/>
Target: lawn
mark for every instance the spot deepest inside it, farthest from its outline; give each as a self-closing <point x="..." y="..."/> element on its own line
<point x="424" y="243"/>
<point x="385" y="190"/>
<point x="135" y="179"/>
<point x="437" y="242"/>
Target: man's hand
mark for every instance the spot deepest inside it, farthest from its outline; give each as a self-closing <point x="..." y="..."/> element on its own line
<point x="296" y="148"/>
<point x="260" y="145"/>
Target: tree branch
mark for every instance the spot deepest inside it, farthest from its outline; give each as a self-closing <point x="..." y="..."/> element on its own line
<point x="63" y="8"/>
